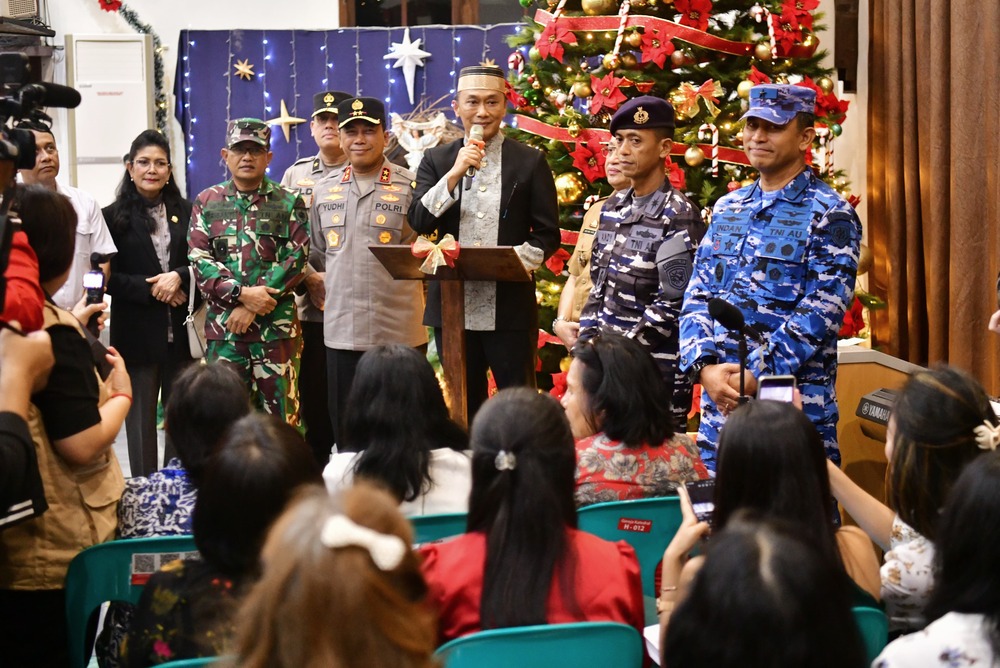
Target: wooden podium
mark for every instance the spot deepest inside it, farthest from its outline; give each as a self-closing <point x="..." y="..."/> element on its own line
<point x="474" y="263"/>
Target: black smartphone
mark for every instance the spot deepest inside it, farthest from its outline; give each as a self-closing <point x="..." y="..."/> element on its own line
<point x="776" y="388"/>
<point x="93" y="285"/>
<point x="702" y="495"/>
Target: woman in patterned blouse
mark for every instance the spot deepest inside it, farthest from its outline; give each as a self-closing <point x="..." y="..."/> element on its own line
<point x="618" y="407"/>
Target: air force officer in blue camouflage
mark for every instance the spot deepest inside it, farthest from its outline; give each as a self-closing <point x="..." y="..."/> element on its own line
<point x="785" y="252"/>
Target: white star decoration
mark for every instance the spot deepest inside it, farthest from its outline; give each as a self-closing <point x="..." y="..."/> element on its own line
<point x="409" y="56"/>
<point x="285" y="121"/>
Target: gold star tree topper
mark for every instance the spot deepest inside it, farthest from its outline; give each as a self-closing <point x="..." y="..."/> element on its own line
<point x="285" y="121"/>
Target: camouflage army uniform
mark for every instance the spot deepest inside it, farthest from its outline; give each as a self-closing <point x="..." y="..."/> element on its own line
<point x="788" y="262"/>
<point x="638" y="287"/>
<point x="261" y="239"/>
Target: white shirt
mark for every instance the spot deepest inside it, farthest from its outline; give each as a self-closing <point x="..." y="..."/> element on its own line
<point x="954" y="641"/>
<point x="451" y="476"/>
<point x="92" y="236"/>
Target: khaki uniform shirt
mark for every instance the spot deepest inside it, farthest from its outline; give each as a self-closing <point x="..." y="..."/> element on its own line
<point x="579" y="262"/>
<point x="365" y="307"/>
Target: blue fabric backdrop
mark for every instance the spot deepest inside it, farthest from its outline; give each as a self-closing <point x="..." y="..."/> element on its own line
<point x="292" y="65"/>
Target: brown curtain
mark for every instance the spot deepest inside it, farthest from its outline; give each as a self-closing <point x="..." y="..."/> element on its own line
<point x="934" y="180"/>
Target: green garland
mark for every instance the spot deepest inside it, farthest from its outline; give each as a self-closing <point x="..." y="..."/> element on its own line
<point x="160" y="98"/>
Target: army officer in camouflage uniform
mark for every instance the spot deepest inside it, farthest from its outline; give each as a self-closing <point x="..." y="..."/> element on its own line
<point x="362" y="204"/>
<point x="645" y="243"/>
<point x="248" y="243"/>
<point x="785" y="252"/>
<point x="302" y="177"/>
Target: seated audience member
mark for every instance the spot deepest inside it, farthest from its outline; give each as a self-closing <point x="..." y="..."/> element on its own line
<point x="771" y="461"/>
<point x="523" y="561"/>
<point x="766" y="596"/>
<point x="964" y="608"/>
<point x="208" y="399"/>
<point x="618" y="406"/>
<point x="941" y="420"/>
<point x="187" y="609"/>
<point x="73" y="423"/>
<point x="340" y="587"/>
<point x="397" y="433"/>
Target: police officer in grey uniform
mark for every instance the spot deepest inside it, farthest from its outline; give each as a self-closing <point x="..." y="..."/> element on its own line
<point x="302" y="177"/>
<point x="646" y="239"/>
<point x="361" y="204"/>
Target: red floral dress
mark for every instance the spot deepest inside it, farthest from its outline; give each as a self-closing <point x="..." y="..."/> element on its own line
<point x="608" y="470"/>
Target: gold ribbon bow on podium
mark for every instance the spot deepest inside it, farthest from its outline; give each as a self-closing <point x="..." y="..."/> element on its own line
<point x="436" y="254"/>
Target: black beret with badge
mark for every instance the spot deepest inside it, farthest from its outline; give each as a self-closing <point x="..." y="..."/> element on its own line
<point x="643" y="113"/>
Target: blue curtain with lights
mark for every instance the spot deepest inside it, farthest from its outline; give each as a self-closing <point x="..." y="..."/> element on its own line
<point x="291" y="65"/>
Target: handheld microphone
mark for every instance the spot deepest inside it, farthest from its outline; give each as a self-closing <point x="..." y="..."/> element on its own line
<point x="475" y="133"/>
<point x="732" y="318"/>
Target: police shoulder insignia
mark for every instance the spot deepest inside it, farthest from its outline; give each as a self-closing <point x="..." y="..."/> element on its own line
<point x="641" y="116"/>
<point x="386" y="175"/>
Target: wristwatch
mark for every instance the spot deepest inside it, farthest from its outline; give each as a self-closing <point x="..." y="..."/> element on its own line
<point x="695" y="371"/>
<point x="237" y="291"/>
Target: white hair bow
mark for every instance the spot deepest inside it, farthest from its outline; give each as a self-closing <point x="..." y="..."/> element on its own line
<point x="386" y="551"/>
<point x="987" y="436"/>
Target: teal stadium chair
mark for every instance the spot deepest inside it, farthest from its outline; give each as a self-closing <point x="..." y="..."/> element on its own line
<point x="430" y="528"/>
<point x="582" y="645"/>
<point x="647" y="525"/>
<point x="874" y="627"/>
<point x="113" y="571"/>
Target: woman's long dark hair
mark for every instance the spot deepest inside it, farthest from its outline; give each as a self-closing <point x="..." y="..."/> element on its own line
<point x="966" y="579"/>
<point x="131" y="204"/>
<point x="523" y="466"/>
<point x="626" y="395"/>
<point x="935" y="416"/>
<point x="766" y="596"/>
<point x="395" y="416"/>
<point x="771" y="461"/>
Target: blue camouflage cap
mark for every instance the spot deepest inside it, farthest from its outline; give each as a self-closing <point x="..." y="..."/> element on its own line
<point x="248" y="129"/>
<point x="779" y="103"/>
<point x="643" y="113"/>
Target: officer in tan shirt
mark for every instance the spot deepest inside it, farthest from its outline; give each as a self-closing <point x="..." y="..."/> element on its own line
<point x="362" y="204"/>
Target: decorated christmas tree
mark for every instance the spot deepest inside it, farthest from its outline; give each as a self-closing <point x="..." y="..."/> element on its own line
<point x="576" y="61"/>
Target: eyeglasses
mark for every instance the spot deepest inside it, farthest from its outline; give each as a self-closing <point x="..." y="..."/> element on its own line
<point x="144" y="163"/>
<point x="255" y="150"/>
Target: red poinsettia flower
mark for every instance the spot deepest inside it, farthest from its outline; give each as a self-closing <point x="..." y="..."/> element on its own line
<point x="557" y="262"/>
<point x="787" y="32"/>
<point x="694" y="13"/>
<point x="655" y="47"/>
<point x="802" y="9"/>
<point x="758" y="77"/>
<point x="828" y="106"/>
<point x="675" y="174"/>
<point x="558" y="385"/>
<point x="854" y="320"/>
<point x="606" y="93"/>
<point x="110" y="5"/>
<point x="552" y="39"/>
<point x="589" y="161"/>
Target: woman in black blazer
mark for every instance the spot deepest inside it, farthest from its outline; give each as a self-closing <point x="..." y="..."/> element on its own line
<point x="149" y="288"/>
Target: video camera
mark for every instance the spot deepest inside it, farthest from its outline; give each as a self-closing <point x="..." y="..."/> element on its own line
<point x="21" y="101"/>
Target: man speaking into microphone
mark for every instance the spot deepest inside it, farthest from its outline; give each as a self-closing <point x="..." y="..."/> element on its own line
<point x="784" y="251"/>
<point x="489" y="190"/>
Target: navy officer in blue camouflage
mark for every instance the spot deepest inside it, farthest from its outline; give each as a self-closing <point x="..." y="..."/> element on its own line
<point x="785" y="252"/>
<point x="646" y="239"/>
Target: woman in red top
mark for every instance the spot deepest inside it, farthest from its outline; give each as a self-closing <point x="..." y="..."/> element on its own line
<point x="523" y="561"/>
<point x="618" y="406"/>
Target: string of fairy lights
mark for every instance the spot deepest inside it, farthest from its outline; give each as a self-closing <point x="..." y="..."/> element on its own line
<point x="237" y="44"/>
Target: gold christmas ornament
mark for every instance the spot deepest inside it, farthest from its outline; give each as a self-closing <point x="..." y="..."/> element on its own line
<point x="762" y="51"/>
<point x="694" y="156"/>
<point x="634" y="38"/>
<point x="810" y="41"/>
<point x="866" y="260"/>
<point x="569" y="187"/>
<point x="574" y="129"/>
<point x="582" y="89"/>
<point x="611" y="61"/>
<point x="599" y="7"/>
<point x="746" y="182"/>
<point x="629" y="60"/>
<point x="678" y="58"/>
<point x="548" y="91"/>
<point x="536" y="84"/>
<point x="743" y="89"/>
<point x="825" y="84"/>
